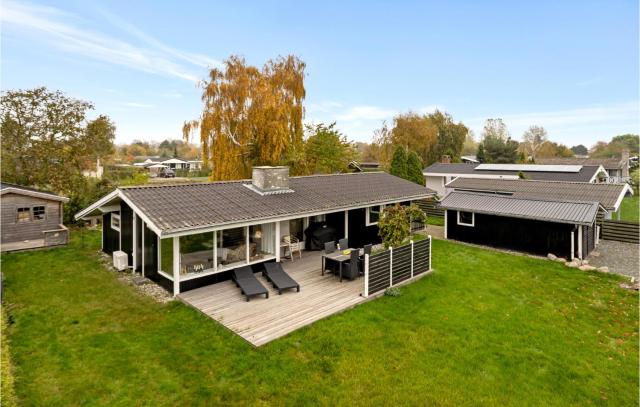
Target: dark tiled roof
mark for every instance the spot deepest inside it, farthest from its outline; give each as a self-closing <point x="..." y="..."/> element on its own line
<point x="606" y="194"/>
<point x="584" y="175"/>
<point x="607" y="163"/>
<point x="173" y="208"/>
<point x="572" y="212"/>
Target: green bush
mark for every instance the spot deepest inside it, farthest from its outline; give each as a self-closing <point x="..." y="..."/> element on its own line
<point x="394" y="226"/>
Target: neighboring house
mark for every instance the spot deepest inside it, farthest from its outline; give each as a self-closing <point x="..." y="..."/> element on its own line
<point x="166" y="231"/>
<point x="440" y="174"/>
<point x="617" y="168"/>
<point x="172" y="163"/>
<point x="469" y="159"/>
<point x="94" y="173"/>
<point x="533" y="216"/>
<point x="31" y="218"/>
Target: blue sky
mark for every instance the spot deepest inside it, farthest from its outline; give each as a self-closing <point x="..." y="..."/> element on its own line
<point x="571" y="67"/>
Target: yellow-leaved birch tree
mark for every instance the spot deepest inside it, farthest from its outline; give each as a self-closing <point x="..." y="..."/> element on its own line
<point x="250" y="116"/>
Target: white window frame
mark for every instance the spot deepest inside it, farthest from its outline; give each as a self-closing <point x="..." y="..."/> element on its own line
<point x="368" y="215"/>
<point x="115" y="216"/>
<point x="473" y="219"/>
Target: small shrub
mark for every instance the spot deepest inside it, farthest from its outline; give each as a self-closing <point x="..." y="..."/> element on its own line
<point x="393" y="292"/>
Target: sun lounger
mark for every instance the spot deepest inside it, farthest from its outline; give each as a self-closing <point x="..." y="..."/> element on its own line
<point x="279" y="278"/>
<point x="248" y="283"/>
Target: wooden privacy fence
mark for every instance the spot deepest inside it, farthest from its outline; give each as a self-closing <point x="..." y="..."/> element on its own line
<point x="621" y="231"/>
<point x="393" y="266"/>
<point x="430" y="207"/>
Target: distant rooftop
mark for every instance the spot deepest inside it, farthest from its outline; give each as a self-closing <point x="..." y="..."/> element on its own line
<point x="585" y="174"/>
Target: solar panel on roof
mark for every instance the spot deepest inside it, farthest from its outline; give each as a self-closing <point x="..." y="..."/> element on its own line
<point x="529" y="167"/>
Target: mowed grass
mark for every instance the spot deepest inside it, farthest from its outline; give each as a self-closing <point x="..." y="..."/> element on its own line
<point x="630" y="209"/>
<point x="485" y="328"/>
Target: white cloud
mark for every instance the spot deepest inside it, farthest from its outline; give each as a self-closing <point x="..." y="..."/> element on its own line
<point x="136" y="104"/>
<point x="64" y="31"/>
<point x="573" y="126"/>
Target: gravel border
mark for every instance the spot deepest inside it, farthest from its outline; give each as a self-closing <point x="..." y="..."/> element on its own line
<point x="141" y="284"/>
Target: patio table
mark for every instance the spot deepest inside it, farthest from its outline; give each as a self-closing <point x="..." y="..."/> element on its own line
<point x="338" y="257"/>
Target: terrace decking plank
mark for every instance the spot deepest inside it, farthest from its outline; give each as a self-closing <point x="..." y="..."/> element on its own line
<point x="263" y="320"/>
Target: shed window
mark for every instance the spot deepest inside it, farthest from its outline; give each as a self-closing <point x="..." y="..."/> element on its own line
<point x="23" y="215"/>
<point x="373" y="215"/>
<point x="38" y="212"/>
<point x="115" y="221"/>
<point x="466" y="218"/>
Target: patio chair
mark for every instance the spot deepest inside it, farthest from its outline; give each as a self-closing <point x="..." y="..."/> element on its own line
<point x="293" y="245"/>
<point x="248" y="283"/>
<point x="330" y="247"/>
<point x="351" y="268"/>
<point x="343" y="243"/>
<point x="279" y="278"/>
<point x="367" y="250"/>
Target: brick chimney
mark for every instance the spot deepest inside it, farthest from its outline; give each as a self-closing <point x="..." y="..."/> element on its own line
<point x="445" y="159"/>
<point x="625" y="163"/>
<point x="268" y="180"/>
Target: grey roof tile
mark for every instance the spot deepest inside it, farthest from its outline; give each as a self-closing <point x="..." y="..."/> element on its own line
<point x="572" y="212"/>
<point x="606" y="194"/>
<point x="173" y="208"/>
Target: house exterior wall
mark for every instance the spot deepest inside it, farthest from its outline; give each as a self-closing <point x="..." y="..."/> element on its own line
<point x="359" y="233"/>
<point x="110" y="236"/>
<point x="525" y="235"/>
<point x="126" y="231"/>
<point x="12" y="231"/>
<point x="436" y="184"/>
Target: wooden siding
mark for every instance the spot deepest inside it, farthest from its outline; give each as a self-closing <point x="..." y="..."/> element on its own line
<point x="430" y="207"/>
<point x="110" y="237"/>
<point x="524" y="235"/>
<point x="33" y="229"/>
<point x="621" y="231"/>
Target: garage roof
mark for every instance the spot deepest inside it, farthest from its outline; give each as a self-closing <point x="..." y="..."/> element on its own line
<point x="572" y="212"/>
<point x="608" y="195"/>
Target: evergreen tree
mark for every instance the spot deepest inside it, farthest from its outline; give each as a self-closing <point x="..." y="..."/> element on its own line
<point x="480" y="153"/>
<point x="414" y="168"/>
<point x="399" y="163"/>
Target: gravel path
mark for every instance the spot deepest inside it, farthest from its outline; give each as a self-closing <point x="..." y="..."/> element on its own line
<point x="621" y="258"/>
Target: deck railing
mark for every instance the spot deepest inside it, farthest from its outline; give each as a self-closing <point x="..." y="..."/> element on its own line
<point x="393" y="266"/>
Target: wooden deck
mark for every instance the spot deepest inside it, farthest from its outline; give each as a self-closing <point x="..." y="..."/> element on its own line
<point x="263" y="320"/>
<point x="22" y="245"/>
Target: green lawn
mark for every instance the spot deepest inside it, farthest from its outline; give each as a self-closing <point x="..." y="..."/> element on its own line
<point x="486" y="328"/>
<point x="435" y="220"/>
<point x="630" y="209"/>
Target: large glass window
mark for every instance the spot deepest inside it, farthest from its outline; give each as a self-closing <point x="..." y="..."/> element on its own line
<point x="232" y="247"/>
<point x="296" y="228"/>
<point x="196" y="253"/>
<point x="262" y="241"/>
